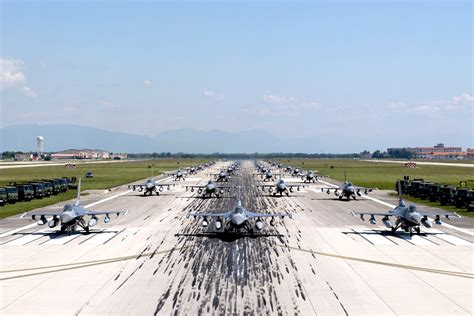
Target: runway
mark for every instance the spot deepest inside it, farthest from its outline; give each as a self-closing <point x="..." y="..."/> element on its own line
<point x="156" y="261"/>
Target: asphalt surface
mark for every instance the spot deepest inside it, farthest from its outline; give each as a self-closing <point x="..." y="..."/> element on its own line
<point x="155" y="260"/>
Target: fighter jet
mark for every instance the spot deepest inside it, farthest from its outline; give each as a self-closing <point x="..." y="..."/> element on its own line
<point x="295" y="172"/>
<point x="408" y="218"/>
<point x="192" y="170"/>
<point x="309" y="176"/>
<point x="268" y="176"/>
<point x="210" y="189"/>
<point x="280" y="187"/>
<point x="177" y="176"/>
<point x="71" y="216"/>
<point x="348" y="190"/>
<point x="237" y="218"/>
<point x="150" y="186"/>
<point x="221" y="176"/>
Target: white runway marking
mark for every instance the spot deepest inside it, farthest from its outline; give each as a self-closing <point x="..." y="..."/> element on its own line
<point x="193" y="179"/>
<point x="28" y="238"/>
<point x="450" y="238"/>
<point x="62" y="239"/>
<point x="416" y="240"/>
<point x="373" y="237"/>
<point x="462" y="230"/>
<point x="102" y="237"/>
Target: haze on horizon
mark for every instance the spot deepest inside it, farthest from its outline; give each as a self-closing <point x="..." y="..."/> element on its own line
<point x="361" y="75"/>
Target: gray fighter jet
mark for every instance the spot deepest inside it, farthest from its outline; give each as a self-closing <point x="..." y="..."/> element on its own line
<point x="280" y="187"/>
<point x="309" y="176"/>
<point x="210" y="189"/>
<point x="150" y="186"/>
<point x="266" y="175"/>
<point x="71" y="216"/>
<point x="295" y="172"/>
<point x="408" y="218"/>
<point x="221" y="176"/>
<point x="192" y="170"/>
<point x="237" y="218"/>
<point x="178" y="175"/>
<point x="347" y="190"/>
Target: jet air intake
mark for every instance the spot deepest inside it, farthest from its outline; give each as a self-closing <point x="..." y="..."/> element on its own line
<point x="217" y="224"/>
<point x="259" y="224"/>
<point x="204" y="223"/>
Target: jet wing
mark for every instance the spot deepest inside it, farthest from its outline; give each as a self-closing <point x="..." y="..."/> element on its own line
<point x="330" y="188"/>
<point x="221" y="214"/>
<point x="364" y="189"/>
<point x="439" y="214"/>
<point x="143" y="186"/>
<point x="86" y="212"/>
<point x="298" y="186"/>
<point x="251" y="214"/>
<point x="33" y="215"/>
<point x="195" y="186"/>
<point x="383" y="213"/>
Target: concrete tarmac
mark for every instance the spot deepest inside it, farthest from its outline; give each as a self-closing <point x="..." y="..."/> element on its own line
<point x="157" y="261"/>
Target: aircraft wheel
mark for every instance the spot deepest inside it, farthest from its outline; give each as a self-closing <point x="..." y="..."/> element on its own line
<point x="417" y="229"/>
<point x="86" y="229"/>
<point x="340" y="197"/>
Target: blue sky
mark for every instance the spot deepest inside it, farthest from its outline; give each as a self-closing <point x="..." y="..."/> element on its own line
<point x="347" y="75"/>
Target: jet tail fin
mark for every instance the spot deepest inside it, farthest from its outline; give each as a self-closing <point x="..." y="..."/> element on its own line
<point x="345" y="176"/>
<point x="401" y="202"/>
<point x="78" y="198"/>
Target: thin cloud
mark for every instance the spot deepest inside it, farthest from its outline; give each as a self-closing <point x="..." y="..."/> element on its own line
<point x="109" y="105"/>
<point x="288" y="105"/>
<point x="11" y="77"/>
<point x="455" y="103"/>
<point x="463" y="99"/>
<point x="277" y="99"/>
<point x="212" y="94"/>
<point x="147" y="82"/>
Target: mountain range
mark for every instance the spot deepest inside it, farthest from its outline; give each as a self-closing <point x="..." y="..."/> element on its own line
<point x="60" y="137"/>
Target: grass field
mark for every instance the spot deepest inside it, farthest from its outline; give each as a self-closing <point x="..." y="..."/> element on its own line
<point x="105" y="176"/>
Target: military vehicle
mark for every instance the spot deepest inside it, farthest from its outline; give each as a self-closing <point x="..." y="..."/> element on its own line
<point x="463" y="197"/>
<point x="446" y="195"/>
<point x="48" y="187"/>
<point x="38" y="188"/>
<point x="64" y="184"/>
<point x="12" y="194"/>
<point x="56" y="186"/>
<point x="433" y="192"/>
<point x="25" y="192"/>
<point x="3" y="196"/>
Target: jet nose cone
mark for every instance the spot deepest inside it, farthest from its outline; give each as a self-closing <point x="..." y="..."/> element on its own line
<point x="415" y="218"/>
<point x="237" y="220"/>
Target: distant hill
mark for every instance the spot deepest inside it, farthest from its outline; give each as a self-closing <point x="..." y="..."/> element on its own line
<point x="61" y="137"/>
